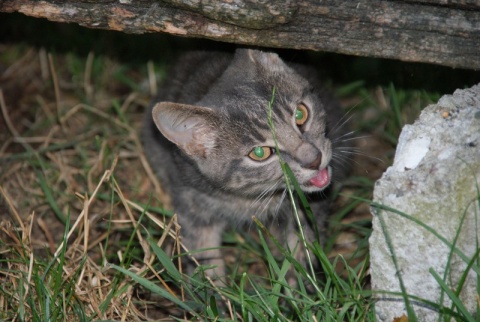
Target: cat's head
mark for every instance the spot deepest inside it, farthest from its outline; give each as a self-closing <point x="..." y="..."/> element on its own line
<point x="228" y="135"/>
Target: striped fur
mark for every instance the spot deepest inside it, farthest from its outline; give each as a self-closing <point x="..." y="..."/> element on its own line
<point x="211" y="112"/>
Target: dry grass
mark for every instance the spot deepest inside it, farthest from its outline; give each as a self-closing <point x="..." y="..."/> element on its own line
<point x="69" y="151"/>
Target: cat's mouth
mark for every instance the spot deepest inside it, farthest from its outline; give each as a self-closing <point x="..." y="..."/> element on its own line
<point x="322" y="179"/>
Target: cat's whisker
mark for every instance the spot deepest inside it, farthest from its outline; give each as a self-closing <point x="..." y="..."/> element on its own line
<point x="278" y="207"/>
<point x="275" y="218"/>
<point x="347" y="149"/>
<point x="341" y="157"/>
<point x="260" y="197"/>
<point x="355" y="151"/>
<point x="265" y="192"/>
<point x="356" y="138"/>
<point x="342" y="122"/>
<point x="264" y="198"/>
<point x="347" y="153"/>
<point x="263" y="208"/>
<point x="345" y="138"/>
<point x="343" y="161"/>
<point x="338" y="138"/>
<point x="271" y="197"/>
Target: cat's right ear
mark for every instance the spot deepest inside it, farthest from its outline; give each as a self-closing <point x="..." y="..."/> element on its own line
<point x="190" y="127"/>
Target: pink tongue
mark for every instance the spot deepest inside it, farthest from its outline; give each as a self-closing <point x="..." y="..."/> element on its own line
<point x="322" y="179"/>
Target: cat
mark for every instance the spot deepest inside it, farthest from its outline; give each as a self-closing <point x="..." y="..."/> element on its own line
<point x="208" y="140"/>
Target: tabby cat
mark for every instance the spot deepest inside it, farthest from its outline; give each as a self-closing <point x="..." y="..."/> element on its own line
<point x="208" y="139"/>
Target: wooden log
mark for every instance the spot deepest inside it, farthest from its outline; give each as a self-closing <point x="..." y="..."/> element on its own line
<point x="445" y="32"/>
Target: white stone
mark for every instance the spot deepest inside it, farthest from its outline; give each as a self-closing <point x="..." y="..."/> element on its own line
<point x="433" y="180"/>
<point x="409" y="155"/>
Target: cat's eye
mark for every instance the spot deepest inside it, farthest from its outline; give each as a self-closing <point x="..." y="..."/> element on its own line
<point x="260" y="153"/>
<point x="301" y="114"/>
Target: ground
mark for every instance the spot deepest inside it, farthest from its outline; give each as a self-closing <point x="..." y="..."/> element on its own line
<point x="70" y="153"/>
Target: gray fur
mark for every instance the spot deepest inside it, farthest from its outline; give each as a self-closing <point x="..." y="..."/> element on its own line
<point x="212" y="110"/>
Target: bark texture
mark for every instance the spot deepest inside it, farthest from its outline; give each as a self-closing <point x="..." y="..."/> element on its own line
<point x="445" y="32"/>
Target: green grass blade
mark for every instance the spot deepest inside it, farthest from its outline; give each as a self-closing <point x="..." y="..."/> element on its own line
<point x="458" y="303"/>
<point x="154" y="288"/>
<point x="349" y="88"/>
<point x="166" y="262"/>
<point x="289" y="178"/>
<point x="48" y="192"/>
<point x="395" y="103"/>
<point x="242" y="296"/>
<point x="412" y="317"/>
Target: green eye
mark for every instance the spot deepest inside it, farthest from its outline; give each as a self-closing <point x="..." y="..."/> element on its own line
<point x="298" y="115"/>
<point x="260" y="153"/>
<point x="301" y="114"/>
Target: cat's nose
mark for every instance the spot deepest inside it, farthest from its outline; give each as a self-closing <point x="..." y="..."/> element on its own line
<point x="316" y="163"/>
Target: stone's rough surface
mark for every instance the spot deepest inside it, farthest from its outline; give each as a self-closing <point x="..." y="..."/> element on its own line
<point x="434" y="179"/>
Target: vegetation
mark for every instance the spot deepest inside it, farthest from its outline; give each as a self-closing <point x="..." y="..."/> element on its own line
<point x="84" y="230"/>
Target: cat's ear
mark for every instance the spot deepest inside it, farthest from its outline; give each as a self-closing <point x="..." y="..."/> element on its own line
<point x="191" y="128"/>
<point x="269" y="61"/>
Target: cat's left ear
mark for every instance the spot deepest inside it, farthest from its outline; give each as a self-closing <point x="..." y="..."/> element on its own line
<point x="192" y="128"/>
<point x="269" y="61"/>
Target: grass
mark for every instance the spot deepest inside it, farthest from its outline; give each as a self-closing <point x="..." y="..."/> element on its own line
<point x="84" y="235"/>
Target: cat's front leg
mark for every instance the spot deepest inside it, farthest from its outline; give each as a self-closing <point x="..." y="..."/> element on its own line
<point x="286" y="232"/>
<point x="203" y="241"/>
<point x="295" y="238"/>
